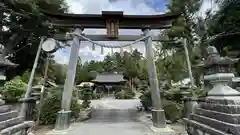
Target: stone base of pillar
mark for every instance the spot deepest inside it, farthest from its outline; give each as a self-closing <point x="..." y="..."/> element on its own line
<point x="63" y="120"/>
<point x="158" y="118"/>
<point x="163" y="131"/>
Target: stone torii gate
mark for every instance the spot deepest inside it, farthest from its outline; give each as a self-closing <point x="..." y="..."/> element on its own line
<point x="112" y="21"/>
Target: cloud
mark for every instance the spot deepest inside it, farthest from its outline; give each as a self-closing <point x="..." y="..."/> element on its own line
<point x="207" y="5"/>
<point x="62" y="56"/>
<point x="134" y="7"/>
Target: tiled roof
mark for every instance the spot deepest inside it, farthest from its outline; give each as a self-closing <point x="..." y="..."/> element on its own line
<point x="5" y="62"/>
<point x="109" y="77"/>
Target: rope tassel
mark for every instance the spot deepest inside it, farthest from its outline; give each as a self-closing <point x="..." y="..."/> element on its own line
<point x="93" y="47"/>
<point x="112" y="51"/>
<point x="131" y="49"/>
<point x="101" y="50"/>
<point x="121" y="52"/>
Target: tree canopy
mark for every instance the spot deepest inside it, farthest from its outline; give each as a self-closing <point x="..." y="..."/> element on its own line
<point x="22" y="26"/>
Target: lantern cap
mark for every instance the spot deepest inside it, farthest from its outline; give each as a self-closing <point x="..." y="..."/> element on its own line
<point x="214" y="58"/>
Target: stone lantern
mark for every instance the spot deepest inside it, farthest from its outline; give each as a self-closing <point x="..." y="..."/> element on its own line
<point x="4" y="64"/>
<point x="219" y="114"/>
<point x="219" y="71"/>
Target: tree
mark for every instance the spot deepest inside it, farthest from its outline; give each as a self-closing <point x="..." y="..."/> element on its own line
<point x="109" y="64"/>
<point x="22" y="25"/>
<point x="56" y="72"/>
<point x="170" y="56"/>
<point x="225" y="24"/>
<point x="88" y="71"/>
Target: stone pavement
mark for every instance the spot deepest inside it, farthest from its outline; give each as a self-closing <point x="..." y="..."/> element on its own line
<point x="111" y="122"/>
<point x="112" y="117"/>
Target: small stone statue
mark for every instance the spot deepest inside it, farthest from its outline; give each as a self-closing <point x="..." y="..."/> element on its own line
<point x="213" y="55"/>
<point x="212" y="50"/>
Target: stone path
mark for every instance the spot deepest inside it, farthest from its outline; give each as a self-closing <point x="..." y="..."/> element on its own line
<point x="112" y="117"/>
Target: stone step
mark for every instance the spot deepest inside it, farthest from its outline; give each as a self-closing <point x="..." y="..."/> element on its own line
<point x="8" y="115"/>
<point x="16" y="128"/>
<point x="233" y="109"/>
<point x="194" y="126"/>
<point x="5" y="108"/>
<point x="229" y="118"/>
<point x="220" y="125"/>
<point x="2" y="102"/>
<point x="10" y="122"/>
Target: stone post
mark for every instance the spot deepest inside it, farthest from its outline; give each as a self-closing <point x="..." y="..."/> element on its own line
<point x="63" y="119"/>
<point x="30" y="107"/>
<point x="158" y="115"/>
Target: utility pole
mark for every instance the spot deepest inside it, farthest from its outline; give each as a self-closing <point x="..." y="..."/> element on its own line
<point x="29" y="87"/>
<point x="42" y="89"/>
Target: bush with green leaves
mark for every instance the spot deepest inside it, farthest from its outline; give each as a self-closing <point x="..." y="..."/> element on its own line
<point x="125" y="93"/>
<point x="173" y="110"/>
<point x="146" y="100"/>
<point x="174" y="94"/>
<point x="52" y="104"/>
<point x="14" y="89"/>
<point x="143" y="86"/>
<point x="128" y="93"/>
<point x="119" y="95"/>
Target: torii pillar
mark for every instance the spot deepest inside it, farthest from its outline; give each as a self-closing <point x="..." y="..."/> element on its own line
<point x="158" y="115"/>
<point x="64" y="115"/>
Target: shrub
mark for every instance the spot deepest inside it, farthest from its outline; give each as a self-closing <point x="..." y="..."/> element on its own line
<point x="173" y="111"/>
<point x="128" y="94"/>
<point x="14" y="89"/>
<point x="143" y="86"/>
<point x="119" y="95"/>
<point x="124" y="94"/>
<point x="52" y="104"/>
<point x="146" y="100"/>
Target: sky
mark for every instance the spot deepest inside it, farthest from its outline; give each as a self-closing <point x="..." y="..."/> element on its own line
<point x="133" y="7"/>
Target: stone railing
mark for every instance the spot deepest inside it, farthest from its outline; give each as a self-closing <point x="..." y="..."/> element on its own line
<point x="10" y="122"/>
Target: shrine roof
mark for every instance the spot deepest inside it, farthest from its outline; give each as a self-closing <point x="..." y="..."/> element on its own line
<point x="159" y="21"/>
<point x="109" y="78"/>
<point x="4" y="62"/>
